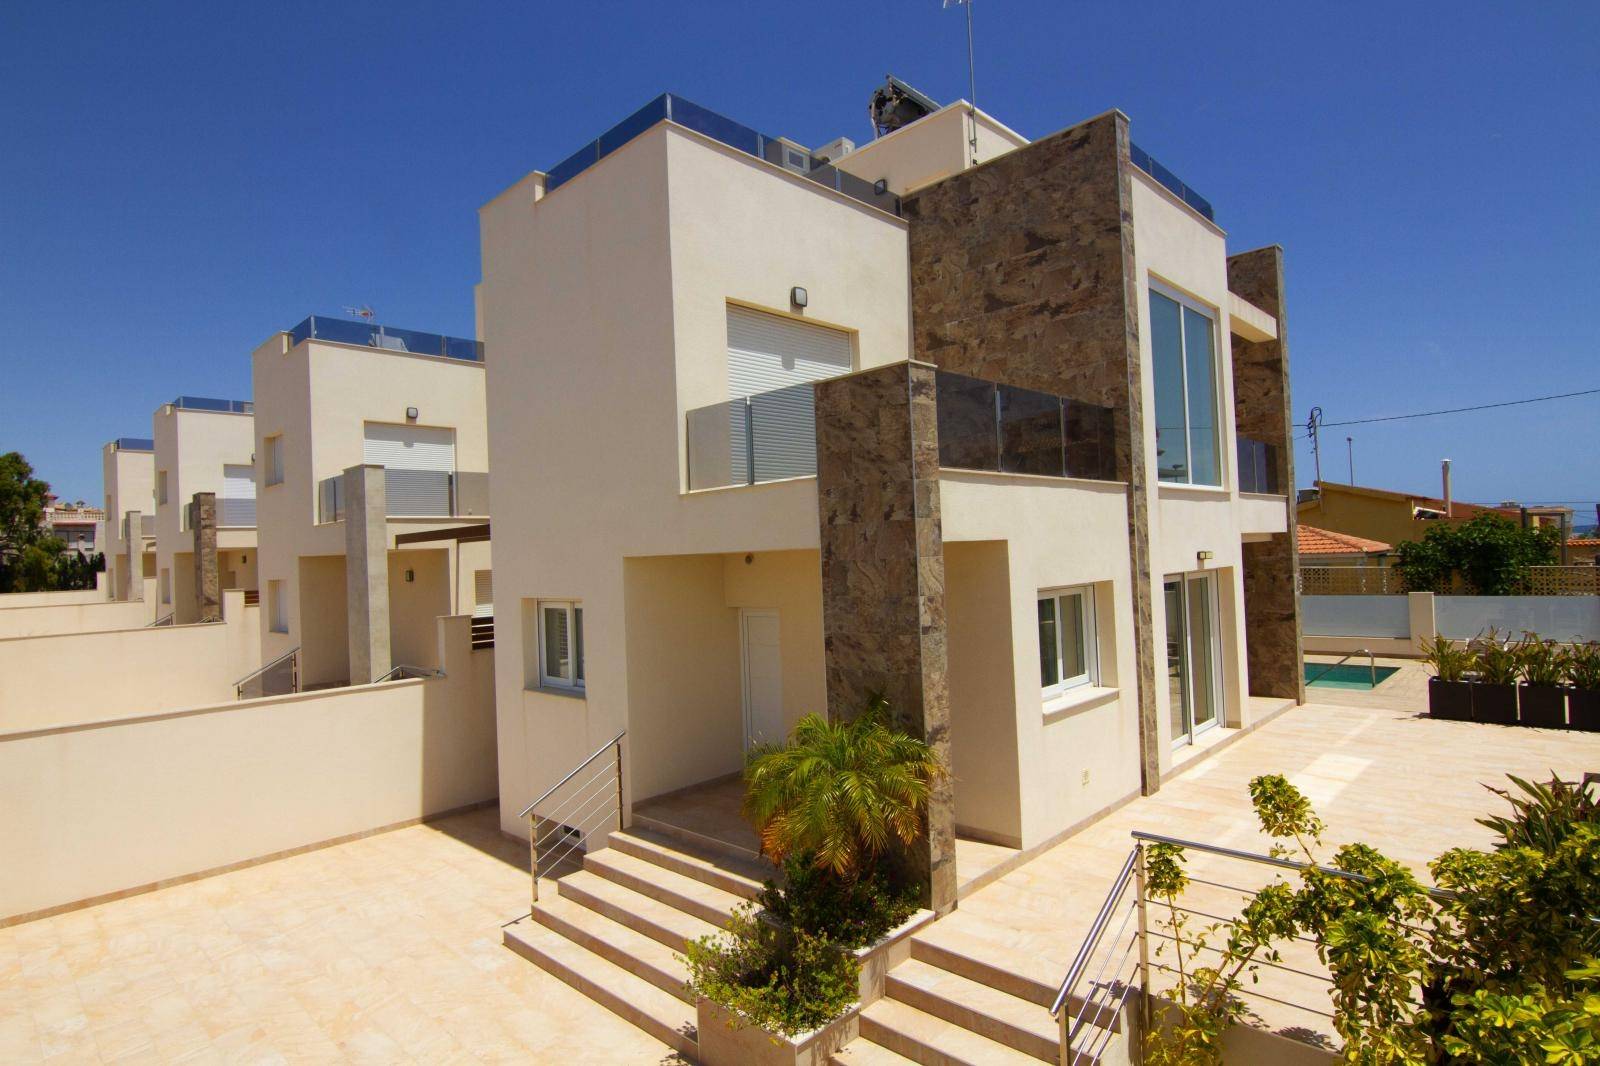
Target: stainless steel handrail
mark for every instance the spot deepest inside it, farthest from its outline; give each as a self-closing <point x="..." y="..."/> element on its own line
<point x="252" y="675"/>
<point x="167" y="619"/>
<point x="572" y="773"/>
<point x="1096" y="931"/>
<point x="417" y="671"/>
<point x="1273" y="860"/>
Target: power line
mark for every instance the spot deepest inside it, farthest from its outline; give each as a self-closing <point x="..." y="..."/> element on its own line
<point x="1460" y="410"/>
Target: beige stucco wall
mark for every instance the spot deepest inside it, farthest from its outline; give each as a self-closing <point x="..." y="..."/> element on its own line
<point x="931" y="148"/>
<point x="324" y="640"/>
<point x="1074" y="756"/>
<point x="80" y="677"/>
<point x="9" y="600"/>
<point x="599" y="394"/>
<point x="211" y="786"/>
<point x="192" y="447"/>
<point x="1187" y="253"/>
<point x="129" y="480"/>
<point x="319" y="396"/>
<point x="416" y="605"/>
<point x="71" y="618"/>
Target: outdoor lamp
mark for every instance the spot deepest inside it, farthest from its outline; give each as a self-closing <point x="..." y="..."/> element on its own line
<point x="798" y="296"/>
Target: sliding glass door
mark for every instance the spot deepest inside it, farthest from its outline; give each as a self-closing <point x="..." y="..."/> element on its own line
<point x="1192" y="654"/>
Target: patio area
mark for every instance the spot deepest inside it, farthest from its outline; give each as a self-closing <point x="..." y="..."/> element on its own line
<point x="386" y="949"/>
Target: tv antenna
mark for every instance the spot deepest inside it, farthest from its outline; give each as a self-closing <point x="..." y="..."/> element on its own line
<point x="364" y="311"/>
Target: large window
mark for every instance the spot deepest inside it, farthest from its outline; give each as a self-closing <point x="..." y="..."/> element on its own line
<point x="1183" y="350"/>
<point x="1067" y="655"/>
<point x="561" y="643"/>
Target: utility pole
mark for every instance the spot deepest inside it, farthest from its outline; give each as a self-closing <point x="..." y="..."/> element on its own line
<point x="1316" y="444"/>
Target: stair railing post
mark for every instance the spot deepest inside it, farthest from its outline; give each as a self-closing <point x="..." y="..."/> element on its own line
<point x="619" y="786"/>
<point x="1144" y="942"/>
<point x="533" y="854"/>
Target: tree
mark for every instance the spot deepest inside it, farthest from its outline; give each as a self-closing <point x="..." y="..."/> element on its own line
<point x="840" y="792"/>
<point x="1490" y="553"/>
<point x="28" y="553"/>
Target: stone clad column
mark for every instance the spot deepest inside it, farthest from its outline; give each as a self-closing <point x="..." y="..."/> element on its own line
<point x="366" y="572"/>
<point x="1262" y="412"/>
<point x="883" y="592"/>
<point x="207" y="578"/>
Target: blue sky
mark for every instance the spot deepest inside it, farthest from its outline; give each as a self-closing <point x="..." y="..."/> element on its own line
<point x="177" y="181"/>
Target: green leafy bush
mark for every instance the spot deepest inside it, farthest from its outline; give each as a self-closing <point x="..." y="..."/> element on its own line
<point x="1541" y="662"/>
<point x="1583" y="666"/>
<point x="851" y="914"/>
<point x="784" y="981"/>
<point x="1498" y="662"/>
<point x="1489" y="554"/>
<point x="1501" y="969"/>
<point x="1450" y="661"/>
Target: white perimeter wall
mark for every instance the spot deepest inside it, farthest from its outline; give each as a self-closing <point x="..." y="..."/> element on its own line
<point x="115" y="806"/>
<point x="71" y="618"/>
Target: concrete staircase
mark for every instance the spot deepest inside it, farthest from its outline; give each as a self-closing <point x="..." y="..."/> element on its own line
<point x="947" y="1007"/>
<point x="612" y="928"/>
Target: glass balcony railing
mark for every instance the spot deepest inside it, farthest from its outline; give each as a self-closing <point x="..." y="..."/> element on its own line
<point x="766" y="437"/>
<point x="414" y="494"/>
<point x="672" y="108"/>
<point x="208" y="403"/>
<point x="369" y="335"/>
<point x="135" y="444"/>
<point x="236" y="513"/>
<point x="984" y="425"/>
<point x="1171" y="182"/>
<point x="1258" y="467"/>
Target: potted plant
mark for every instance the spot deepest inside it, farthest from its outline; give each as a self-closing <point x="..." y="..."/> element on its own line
<point x="1543" y="699"/>
<point x="1583" y="698"/>
<point x="837" y="806"/>
<point x="1449" y="692"/>
<point x="1494" y="694"/>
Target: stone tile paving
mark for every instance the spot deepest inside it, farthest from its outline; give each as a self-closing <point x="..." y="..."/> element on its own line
<point x="385" y="949"/>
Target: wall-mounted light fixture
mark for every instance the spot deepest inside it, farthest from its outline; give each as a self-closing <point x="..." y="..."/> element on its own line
<point x="799" y="297"/>
<point x="411" y="575"/>
<point x="1204" y="557"/>
<point x="411" y="414"/>
<point x="880" y="186"/>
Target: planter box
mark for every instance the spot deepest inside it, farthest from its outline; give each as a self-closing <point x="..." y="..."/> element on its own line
<point x="1451" y="700"/>
<point x="1543" y="706"/>
<point x="1583" y="708"/>
<point x="726" y="1040"/>
<point x="1494" y="703"/>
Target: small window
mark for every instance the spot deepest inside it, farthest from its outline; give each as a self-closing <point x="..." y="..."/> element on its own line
<point x="561" y="644"/>
<point x="273" y="464"/>
<point x="161" y="486"/>
<point x="1067" y="654"/>
<point x="277" y="607"/>
<point x="166" y="586"/>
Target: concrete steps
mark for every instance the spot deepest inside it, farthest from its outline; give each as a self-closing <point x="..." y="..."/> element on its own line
<point x="654" y="919"/>
<point x="737" y="876"/>
<point x="691" y="896"/>
<point x="932" y="1041"/>
<point x="664" y="1016"/>
<point x="635" y="952"/>
<point x="1000" y="1016"/>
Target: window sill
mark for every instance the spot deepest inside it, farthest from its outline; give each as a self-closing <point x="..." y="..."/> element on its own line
<point x="582" y="695"/>
<point x="1078" y="699"/>
<point x="1181" y="489"/>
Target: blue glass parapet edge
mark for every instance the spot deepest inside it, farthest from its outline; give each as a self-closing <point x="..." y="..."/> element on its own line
<point x="208" y="403"/>
<point x="1173" y="184"/>
<point x="135" y="444"/>
<point x="690" y="115"/>
<point x="388" y="338"/>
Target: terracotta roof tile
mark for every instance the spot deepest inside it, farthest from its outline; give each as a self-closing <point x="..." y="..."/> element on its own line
<point x="1314" y="541"/>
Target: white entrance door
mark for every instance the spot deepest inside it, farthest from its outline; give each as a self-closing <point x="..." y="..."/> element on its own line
<point x="763" y="677"/>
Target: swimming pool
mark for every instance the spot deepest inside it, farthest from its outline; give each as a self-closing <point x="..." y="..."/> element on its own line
<point x="1345" y="675"/>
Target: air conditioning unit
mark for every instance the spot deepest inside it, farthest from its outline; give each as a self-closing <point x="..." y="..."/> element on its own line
<point x="835" y="150"/>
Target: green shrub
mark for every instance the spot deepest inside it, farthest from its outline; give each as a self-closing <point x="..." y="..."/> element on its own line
<point x="851" y="914"/>
<point x="1541" y="662"/>
<point x="786" y="982"/>
<point x="1449" y="660"/>
<point x="1498" y="662"/>
<point x="1583" y="666"/>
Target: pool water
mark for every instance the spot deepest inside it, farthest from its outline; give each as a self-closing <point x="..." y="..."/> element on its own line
<point x="1345" y="675"/>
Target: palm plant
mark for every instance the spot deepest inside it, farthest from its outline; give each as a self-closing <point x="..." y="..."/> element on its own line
<point x="841" y="792"/>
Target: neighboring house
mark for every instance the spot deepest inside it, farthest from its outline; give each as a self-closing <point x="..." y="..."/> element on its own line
<point x="128" y="467"/>
<point x="1323" y="547"/>
<point x="373" y="463"/>
<point x="1396" y="517"/>
<point x="1581" y="550"/>
<point x="1005" y="443"/>
<point x="203" y="446"/>
<point x="76" y="525"/>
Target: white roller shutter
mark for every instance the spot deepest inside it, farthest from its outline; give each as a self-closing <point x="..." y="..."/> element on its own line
<point x="418" y="462"/>
<point x="774" y="360"/>
<point x="767" y="352"/>
<point x="483" y="593"/>
<point x="237" y="505"/>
